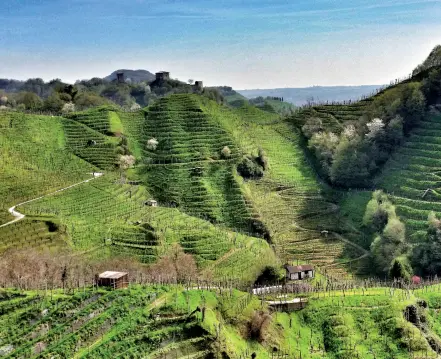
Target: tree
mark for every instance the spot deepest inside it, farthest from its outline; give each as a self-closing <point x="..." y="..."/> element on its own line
<point x="324" y="144"/>
<point x="426" y="256"/>
<point x="30" y="100"/>
<point x="53" y="103"/>
<point x="400" y="269"/>
<point x="190" y="81"/>
<point x="68" y="107"/>
<point x="350" y="164"/>
<point x="312" y="126"/>
<point x="152" y="144"/>
<point x="378" y="211"/>
<point x="375" y="128"/>
<point x="86" y="100"/>
<point x="126" y="161"/>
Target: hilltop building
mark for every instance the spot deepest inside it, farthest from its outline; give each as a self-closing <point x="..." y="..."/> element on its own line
<point x="162" y="76"/>
<point x="120" y="77"/>
<point x="115" y="280"/>
<point x="299" y="272"/>
<point x="198" y="85"/>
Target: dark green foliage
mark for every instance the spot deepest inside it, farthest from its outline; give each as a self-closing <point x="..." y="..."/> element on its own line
<point x="269" y="275"/>
<point x="390" y="233"/>
<point x="400" y="269"/>
<point x="351" y="164"/>
<point x="249" y="168"/>
<point x="53" y="103"/>
<point x="426" y="257"/>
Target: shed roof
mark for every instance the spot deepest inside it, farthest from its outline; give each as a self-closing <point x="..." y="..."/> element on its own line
<point x="298" y="269"/>
<point x="112" y="275"/>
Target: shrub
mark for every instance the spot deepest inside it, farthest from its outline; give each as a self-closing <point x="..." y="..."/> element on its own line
<point x="152" y="144"/>
<point x="262" y="159"/>
<point x="226" y="152"/>
<point x="249" y="168"/>
<point x="258" y="325"/>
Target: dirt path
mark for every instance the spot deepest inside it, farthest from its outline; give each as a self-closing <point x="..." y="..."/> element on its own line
<point x="19" y="216"/>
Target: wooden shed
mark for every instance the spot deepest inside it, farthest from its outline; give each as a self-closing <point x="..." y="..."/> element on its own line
<point x="151" y="203"/>
<point x="299" y="272"/>
<point x="115" y="280"/>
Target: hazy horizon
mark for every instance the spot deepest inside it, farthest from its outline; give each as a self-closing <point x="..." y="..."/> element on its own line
<point x="261" y="44"/>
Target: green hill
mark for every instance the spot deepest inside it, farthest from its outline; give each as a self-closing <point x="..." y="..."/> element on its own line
<point x="192" y="171"/>
<point x="158" y="321"/>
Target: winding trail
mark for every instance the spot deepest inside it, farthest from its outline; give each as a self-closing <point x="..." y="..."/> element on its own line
<point x="19" y="216"/>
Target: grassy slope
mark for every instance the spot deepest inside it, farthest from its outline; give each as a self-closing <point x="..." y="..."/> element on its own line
<point x="414" y="168"/>
<point x="156" y="321"/>
<point x="289" y="198"/>
<point x="104" y="211"/>
<point x="186" y="168"/>
<point x="34" y="161"/>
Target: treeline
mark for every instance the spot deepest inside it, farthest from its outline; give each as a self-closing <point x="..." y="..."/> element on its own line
<point x="392" y="255"/>
<point x="261" y="100"/>
<point x="34" y="269"/>
<point x="56" y="96"/>
<point x="350" y="156"/>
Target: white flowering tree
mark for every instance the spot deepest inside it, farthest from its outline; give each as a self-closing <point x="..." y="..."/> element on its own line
<point x="152" y="144"/>
<point x="375" y="127"/>
<point x="68" y="107"/>
<point x="349" y="132"/>
<point x="126" y="161"/>
<point x="3" y="100"/>
<point x="135" y="107"/>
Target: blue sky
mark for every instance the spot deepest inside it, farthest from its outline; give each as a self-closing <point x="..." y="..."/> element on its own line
<point x="245" y="44"/>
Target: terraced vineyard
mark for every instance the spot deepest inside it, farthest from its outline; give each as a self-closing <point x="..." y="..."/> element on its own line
<point x="188" y="155"/>
<point x="34" y="159"/>
<point x="205" y="206"/>
<point x="157" y="321"/>
<point x="289" y="199"/>
<point x="413" y="176"/>
<point x="30" y="233"/>
<point x="333" y="117"/>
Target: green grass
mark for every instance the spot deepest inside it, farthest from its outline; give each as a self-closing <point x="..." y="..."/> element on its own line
<point x="34" y="159"/>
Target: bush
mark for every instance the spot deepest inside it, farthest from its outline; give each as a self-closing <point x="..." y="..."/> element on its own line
<point x="226" y="152"/>
<point x="262" y="159"/>
<point x="259" y="325"/>
<point x="249" y="168"/>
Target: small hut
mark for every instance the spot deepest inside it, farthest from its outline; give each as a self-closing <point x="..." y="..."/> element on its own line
<point x="115" y="280"/>
<point x="151" y="203"/>
<point x="299" y="272"/>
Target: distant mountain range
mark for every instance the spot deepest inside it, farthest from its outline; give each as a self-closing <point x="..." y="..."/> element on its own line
<point x="134" y="75"/>
<point x="300" y="96"/>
